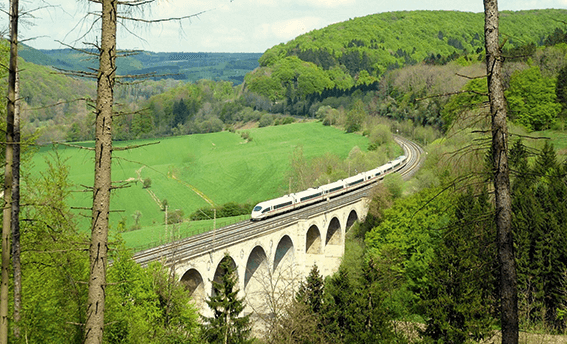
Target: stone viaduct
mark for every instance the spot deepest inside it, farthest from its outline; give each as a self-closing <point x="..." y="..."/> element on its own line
<point x="273" y="262"/>
<point x="272" y="256"/>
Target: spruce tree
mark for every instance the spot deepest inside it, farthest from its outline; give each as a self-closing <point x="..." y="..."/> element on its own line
<point x="226" y="326"/>
<point x="311" y="291"/>
<point x="540" y="232"/>
<point x="460" y="301"/>
<point x="339" y="307"/>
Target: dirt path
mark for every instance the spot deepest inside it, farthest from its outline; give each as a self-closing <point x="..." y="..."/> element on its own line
<point x="152" y="194"/>
<point x="195" y="190"/>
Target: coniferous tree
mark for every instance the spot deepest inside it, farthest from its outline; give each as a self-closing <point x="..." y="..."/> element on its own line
<point x="339" y="308"/>
<point x="372" y="322"/>
<point x="539" y="230"/>
<point x="311" y="291"/>
<point x="352" y="310"/>
<point x="561" y="87"/>
<point x="460" y="300"/>
<point x="226" y="325"/>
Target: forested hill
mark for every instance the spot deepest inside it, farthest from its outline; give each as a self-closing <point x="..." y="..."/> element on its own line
<point x="359" y="51"/>
<point x="188" y="67"/>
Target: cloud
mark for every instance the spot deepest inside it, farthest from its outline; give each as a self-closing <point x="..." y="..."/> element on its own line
<point x="288" y="29"/>
<point x="326" y="3"/>
<point x="287" y="4"/>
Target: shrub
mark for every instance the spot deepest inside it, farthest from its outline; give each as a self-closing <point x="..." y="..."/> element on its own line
<point x="266" y="120"/>
<point x="175" y="216"/>
<point x="147" y="183"/>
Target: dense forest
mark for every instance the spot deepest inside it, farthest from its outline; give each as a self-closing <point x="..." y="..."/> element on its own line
<point x="422" y="266"/>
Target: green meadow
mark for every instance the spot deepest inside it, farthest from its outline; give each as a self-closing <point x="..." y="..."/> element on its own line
<point x="189" y="170"/>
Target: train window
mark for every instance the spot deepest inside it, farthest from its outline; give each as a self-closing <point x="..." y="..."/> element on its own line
<point x="282" y="205"/>
<point x="257" y="208"/>
<point x="266" y="210"/>
<point x="310" y="197"/>
<point x="355" y="182"/>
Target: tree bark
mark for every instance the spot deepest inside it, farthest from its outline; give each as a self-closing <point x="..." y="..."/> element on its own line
<point x="8" y="174"/>
<point x="102" y="180"/>
<point x="16" y="248"/>
<point x="508" y="286"/>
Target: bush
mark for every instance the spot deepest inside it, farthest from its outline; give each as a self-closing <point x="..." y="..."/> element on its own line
<point x="246" y="135"/>
<point x="147" y="183"/>
<point x="175" y="216"/>
<point x="226" y="210"/>
<point x="266" y="120"/>
<point x="288" y="120"/>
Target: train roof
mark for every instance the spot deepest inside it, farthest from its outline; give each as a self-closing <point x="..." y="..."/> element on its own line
<point x="307" y="192"/>
<point x="275" y="201"/>
<point x="332" y="185"/>
<point x="356" y="177"/>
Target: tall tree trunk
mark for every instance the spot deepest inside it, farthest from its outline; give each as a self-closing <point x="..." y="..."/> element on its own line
<point x="16" y="249"/>
<point x="508" y="286"/>
<point x="7" y="211"/>
<point x="102" y="180"/>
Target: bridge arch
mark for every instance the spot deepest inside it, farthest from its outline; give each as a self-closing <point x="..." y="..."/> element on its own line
<point x="257" y="261"/>
<point x="256" y="280"/>
<point x="352" y="218"/>
<point x="334" y="232"/>
<point x="221" y="271"/>
<point x="193" y="282"/>
<point x="284" y="252"/>
<point x="313" y="240"/>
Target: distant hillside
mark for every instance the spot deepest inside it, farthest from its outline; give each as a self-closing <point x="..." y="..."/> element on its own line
<point x="359" y="51"/>
<point x="188" y="67"/>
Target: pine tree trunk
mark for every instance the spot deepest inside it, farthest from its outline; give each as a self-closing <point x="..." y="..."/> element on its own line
<point x="7" y="211"/>
<point x="102" y="182"/>
<point x="16" y="248"/>
<point x="508" y="286"/>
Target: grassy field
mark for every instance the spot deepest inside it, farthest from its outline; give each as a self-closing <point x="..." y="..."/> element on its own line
<point x="222" y="167"/>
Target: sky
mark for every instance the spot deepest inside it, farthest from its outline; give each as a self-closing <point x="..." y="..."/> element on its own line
<point x="222" y="25"/>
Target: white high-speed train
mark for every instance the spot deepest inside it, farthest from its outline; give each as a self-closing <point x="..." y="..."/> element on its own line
<point x="300" y="199"/>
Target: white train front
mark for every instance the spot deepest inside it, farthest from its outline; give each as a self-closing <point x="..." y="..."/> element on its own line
<point x="300" y="199"/>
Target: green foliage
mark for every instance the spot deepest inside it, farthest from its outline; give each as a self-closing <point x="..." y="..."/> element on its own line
<point x="394" y="184"/>
<point x="226" y="325"/>
<point x="475" y="94"/>
<point x="412" y="229"/>
<point x="266" y="120"/>
<point x="229" y="209"/>
<point x="460" y="300"/>
<point x="53" y="260"/>
<point x="147" y="183"/>
<point x="310" y="292"/>
<point x="532" y="99"/>
<point x="365" y="48"/>
<point x="175" y="216"/>
<point x="353" y="311"/>
<point x="539" y="226"/>
<point x="147" y="305"/>
<point x="561" y="87"/>
<point x="355" y="117"/>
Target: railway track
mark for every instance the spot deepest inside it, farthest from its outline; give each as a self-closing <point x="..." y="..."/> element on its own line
<point x="221" y="238"/>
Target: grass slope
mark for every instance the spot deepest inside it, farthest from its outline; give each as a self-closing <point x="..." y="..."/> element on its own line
<point x="222" y="166"/>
